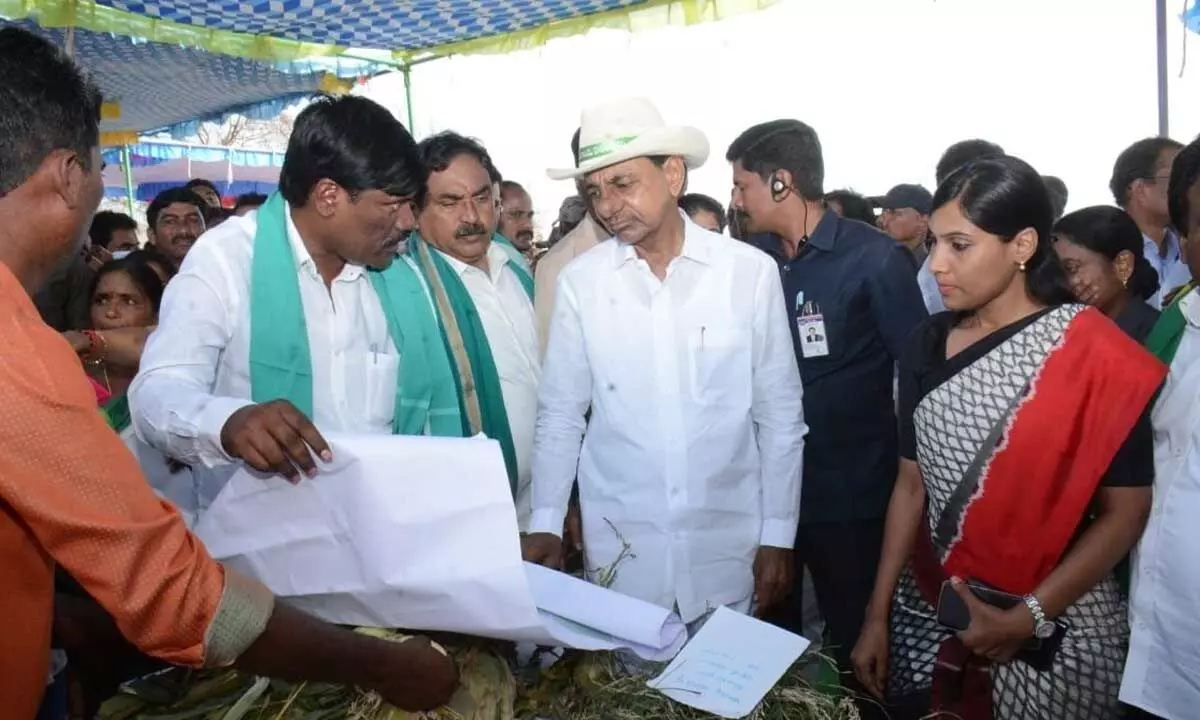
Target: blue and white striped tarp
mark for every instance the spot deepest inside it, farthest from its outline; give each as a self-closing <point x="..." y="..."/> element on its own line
<point x="381" y="24"/>
<point x="161" y="86"/>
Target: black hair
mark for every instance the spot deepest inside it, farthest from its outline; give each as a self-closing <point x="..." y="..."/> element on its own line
<point x="139" y="271"/>
<point x="510" y="185"/>
<point x="693" y="203"/>
<point x="783" y="145"/>
<point x="1058" y="194"/>
<point x="735" y="220"/>
<point x="107" y="222"/>
<point x="151" y="256"/>
<point x="436" y="152"/>
<point x="171" y="196"/>
<point x="201" y="182"/>
<point x="1109" y="231"/>
<point x="353" y="142"/>
<point x="252" y="200"/>
<point x="1137" y="162"/>
<point x="1185" y="173"/>
<point x="46" y="103"/>
<point x="963" y="152"/>
<point x="1003" y="196"/>
<point x="854" y="206"/>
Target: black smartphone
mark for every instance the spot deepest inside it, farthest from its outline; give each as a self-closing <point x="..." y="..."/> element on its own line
<point x="952" y="611"/>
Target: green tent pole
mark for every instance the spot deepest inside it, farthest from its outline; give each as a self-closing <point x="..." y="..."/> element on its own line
<point x="408" y="101"/>
<point x="127" y="169"/>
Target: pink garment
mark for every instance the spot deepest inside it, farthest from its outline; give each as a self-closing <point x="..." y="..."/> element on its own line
<point x="102" y="395"/>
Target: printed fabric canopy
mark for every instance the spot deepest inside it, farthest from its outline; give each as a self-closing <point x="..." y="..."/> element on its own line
<point x="292" y="29"/>
<point x="152" y="86"/>
<point x="167" y="62"/>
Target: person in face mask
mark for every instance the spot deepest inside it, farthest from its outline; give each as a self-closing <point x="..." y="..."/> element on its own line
<point x="113" y="235"/>
<point x="176" y="219"/>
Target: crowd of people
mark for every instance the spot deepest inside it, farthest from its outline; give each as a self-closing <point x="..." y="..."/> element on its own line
<point x="969" y="418"/>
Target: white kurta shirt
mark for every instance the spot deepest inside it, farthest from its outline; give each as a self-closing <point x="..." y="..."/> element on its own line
<point x="195" y="369"/>
<point x="1171" y="268"/>
<point x="693" y="451"/>
<point x="1162" y="673"/>
<point x="506" y="313"/>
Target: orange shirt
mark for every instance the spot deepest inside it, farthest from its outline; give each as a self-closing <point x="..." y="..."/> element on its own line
<point x="71" y="494"/>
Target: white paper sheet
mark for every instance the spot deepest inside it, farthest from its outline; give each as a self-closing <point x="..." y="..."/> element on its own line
<point x="418" y="533"/>
<point x="730" y="665"/>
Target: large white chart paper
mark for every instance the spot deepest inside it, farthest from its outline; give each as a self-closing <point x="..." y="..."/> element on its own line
<point x="730" y="665"/>
<point x="418" y="533"/>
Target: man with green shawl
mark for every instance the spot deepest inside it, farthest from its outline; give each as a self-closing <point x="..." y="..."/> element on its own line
<point x="1164" y="640"/>
<point x="303" y="315"/>
<point x="483" y="296"/>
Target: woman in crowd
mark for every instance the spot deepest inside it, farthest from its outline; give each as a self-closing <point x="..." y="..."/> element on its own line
<point x="1042" y="404"/>
<point x="1101" y="251"/>
<point x="125" y="294"/>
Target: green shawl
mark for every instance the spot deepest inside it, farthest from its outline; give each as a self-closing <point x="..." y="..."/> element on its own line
<point x="1164" y="337"/>
<point x="478" y="382"/>
<point x="116" y="413"/>
<point x="280" y="357"/>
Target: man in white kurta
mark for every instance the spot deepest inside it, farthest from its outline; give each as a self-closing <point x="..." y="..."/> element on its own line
<point x="506" y="313"/>
<point x="455" y="220"/>
<point x="1162" y="672"/>
<point x="689" y="474"/>
<point x="195" y="370"/>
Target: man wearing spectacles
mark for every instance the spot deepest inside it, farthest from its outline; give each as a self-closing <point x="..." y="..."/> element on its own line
<point x="1139" y="186"/>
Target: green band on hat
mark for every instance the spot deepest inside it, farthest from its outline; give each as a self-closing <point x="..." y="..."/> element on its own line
<point x="604" y="147"/>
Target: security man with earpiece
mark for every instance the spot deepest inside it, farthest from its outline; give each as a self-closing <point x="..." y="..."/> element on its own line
<point x="853" y="300"/>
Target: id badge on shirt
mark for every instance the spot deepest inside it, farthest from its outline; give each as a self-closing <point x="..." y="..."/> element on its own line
<point x="811" y="325"/>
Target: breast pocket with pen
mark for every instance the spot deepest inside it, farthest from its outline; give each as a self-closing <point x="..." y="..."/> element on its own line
<point x="719" y="359"/>
<point x="381" y="378"/>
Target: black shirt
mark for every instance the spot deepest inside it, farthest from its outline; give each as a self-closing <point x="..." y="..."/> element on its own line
<point x="1137" y="319"/>
<point x="925" y="367"/>
<point x="864" y="287"/>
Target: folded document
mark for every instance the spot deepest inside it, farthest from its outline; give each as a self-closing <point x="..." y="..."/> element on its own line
<point x="418" y="533"/>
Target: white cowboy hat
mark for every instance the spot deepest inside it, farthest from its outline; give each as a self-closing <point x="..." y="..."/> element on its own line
<point x="631" y="128"/>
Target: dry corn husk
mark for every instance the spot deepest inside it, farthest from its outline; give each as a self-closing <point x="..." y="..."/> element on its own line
<point x="597" y="686"/>
<point x="487" y="691"/>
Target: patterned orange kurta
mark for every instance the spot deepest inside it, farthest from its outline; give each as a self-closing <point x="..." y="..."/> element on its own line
<point x="70" y="493"/>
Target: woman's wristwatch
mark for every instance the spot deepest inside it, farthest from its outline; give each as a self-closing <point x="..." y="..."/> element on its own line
<point x="1043" y="627"/>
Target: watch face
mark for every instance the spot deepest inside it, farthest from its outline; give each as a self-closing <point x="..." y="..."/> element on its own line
<point x="1044" y="630"/>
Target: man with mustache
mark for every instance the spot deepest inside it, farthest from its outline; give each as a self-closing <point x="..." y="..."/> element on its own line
<point x="484" y="301"/>
<point x="71" y="494"/>
<point x="297" y="317"/>
<point x="175" y="219"/>
<point x="677" y="341"/>
<point x="516" y="216"/>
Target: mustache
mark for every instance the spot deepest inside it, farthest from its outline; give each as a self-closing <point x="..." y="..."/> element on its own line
<point x="469" y="229"/>
<point x="525" y="234"/>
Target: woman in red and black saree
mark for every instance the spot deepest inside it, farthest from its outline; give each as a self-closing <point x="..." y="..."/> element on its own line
<point x="1027" y="459"/>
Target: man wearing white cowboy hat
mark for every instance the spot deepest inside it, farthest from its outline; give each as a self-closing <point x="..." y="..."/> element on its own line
<point x="677" y="340"/>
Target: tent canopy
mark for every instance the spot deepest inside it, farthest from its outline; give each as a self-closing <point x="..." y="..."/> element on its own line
<point x="256" y="56"/>
<point x="158" y="86"/>
<point x="156" y="166"/>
